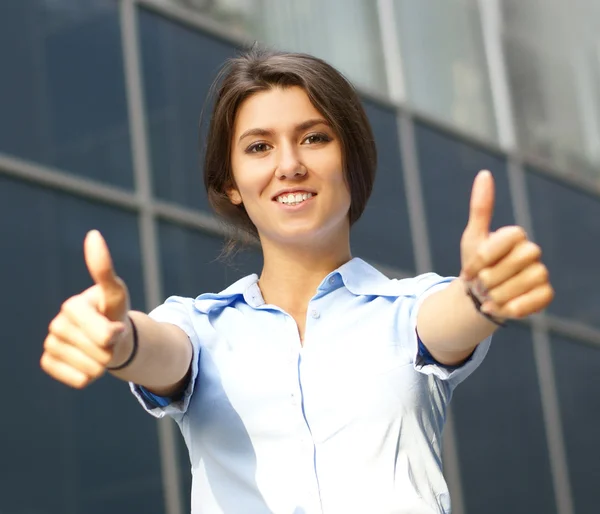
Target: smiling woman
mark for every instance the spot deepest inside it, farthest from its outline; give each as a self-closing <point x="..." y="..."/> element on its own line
<point x="322" y="385"/>
<point x="327" y="110"/>
<point x="275" y="170"/>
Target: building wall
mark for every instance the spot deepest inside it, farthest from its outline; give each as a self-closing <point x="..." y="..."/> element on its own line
<point x="99" y="109"/>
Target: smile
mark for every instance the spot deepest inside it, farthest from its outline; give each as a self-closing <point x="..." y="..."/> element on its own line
<point x="293" y="198"/>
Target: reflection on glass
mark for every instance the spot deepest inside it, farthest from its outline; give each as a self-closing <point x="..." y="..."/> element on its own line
<point x="343" y="32"/>
<point x="444" y="62"/>
<point x="553" y="61"/>
<point x="62" y="93"/>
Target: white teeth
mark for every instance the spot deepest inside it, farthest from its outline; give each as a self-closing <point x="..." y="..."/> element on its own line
<point x="294" y="198"/>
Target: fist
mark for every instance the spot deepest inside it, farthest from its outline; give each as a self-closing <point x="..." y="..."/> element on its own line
<point x="81" y="338"/>
<point x="503" y="268"/>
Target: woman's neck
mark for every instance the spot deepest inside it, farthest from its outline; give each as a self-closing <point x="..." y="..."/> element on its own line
<point x="291" y="275"/>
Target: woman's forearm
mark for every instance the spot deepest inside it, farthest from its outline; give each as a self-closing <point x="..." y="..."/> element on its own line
<point x="450" y="326"/>
<point x="163" y="356"/>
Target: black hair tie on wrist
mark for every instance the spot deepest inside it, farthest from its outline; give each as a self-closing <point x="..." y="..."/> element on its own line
<point x="133" y="351"/>
<point x="477" y="302"/>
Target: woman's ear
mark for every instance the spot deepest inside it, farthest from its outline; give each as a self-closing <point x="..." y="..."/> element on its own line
<point x="234" y="196"/>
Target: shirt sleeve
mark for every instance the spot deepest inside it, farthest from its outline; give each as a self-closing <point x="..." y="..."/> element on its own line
<point x="177" y="311"/>
<point x="426" y="285"/>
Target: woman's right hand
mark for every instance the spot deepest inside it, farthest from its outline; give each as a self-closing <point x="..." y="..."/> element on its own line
<point x="83" y="336"/>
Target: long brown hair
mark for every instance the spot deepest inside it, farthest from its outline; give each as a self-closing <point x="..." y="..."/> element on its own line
<point x="328" y="90"/>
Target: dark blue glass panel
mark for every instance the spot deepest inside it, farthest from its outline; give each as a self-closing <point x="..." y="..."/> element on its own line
<point x="62" y="93"/>
<point x="179" y="66"/>
<point x="578" y="383"/>
<point x="566" y="223"/>
<point x="66" y="451"/>
<point x="383" y="232"/>
<point x="448" y="167"/>
<point x="192" y="262"/>
<point x="500" y="430"/>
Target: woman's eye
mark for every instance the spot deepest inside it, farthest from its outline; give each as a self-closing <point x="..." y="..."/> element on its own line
<point x="258" y="148"/>
<point x="316" y="138"/>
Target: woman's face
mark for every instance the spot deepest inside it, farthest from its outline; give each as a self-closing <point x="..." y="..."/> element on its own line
<point x="287" y="166"/>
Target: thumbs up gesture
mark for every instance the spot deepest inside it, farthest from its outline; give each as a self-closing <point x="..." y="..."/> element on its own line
<point x="502" y="268"/>
<point x="82" y="337"/>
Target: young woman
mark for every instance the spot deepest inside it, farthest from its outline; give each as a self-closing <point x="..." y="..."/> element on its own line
<point x="321" y="386"/>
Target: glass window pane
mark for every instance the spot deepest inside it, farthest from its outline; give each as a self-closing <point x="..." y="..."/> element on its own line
<point x="500" y="429"/>
<point x="62" y="93"/>
<point x="553" y="67"/>
<point x="343" y="32"/>
<point x="90" y="448"/>
<point x="578" y="382"/>
<point x="444" y="62"/>
<point x="193" y="263"/>
<point x="190" y="266"/>
<point x="448" y="167"/>
<point x="382" y="235"/>
<point x="178" y="68"/>
<point x="566" y="224"/>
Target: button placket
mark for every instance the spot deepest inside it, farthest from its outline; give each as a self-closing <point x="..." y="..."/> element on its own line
<point x="293" y="355"/>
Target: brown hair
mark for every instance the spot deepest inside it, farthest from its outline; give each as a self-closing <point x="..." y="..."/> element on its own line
<point x="331" y="94"/>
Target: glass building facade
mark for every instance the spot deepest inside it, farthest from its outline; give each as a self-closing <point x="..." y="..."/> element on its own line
<point x="100" y="104"/>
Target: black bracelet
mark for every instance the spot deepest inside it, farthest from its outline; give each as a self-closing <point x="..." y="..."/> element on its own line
<point x="477" y="302"/>
<point x="133" y="351"/>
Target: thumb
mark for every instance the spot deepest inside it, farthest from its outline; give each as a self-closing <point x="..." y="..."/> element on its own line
<point x="101" y="269"/>
<point x="481" y="207"/>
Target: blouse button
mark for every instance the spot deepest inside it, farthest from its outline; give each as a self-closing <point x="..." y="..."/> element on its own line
<point x="315" y="314"/>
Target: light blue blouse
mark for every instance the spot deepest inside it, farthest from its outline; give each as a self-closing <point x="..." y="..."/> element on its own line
<point x="350" y="422"/>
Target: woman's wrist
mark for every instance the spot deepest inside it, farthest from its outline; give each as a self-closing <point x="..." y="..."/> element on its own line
<point x="478" y="294"/>
<point x="125" y="347"/>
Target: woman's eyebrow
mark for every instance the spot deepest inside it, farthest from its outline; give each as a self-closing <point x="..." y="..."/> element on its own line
<point x="305" y="125"/>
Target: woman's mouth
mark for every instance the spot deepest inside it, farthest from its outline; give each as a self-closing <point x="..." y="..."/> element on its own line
<point x="293" y="198"/>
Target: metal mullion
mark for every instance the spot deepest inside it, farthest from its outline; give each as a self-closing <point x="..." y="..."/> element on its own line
<point x="148" y="238"/>
<point x="585" y="334"/>
<point x="491" y="28"/>
<point x="424" y="263"/>
<point x="491" y="20"/>
<point x="416" y="213"/>
<point x="543" y="360"/>
<point x="67" y="182"/>
<point x="392" y="54"/>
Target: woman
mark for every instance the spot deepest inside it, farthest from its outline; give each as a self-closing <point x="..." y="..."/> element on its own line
<point x="323" y="385"/>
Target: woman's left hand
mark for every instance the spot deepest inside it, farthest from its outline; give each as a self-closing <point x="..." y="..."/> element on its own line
<point x="503" y="268"/>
